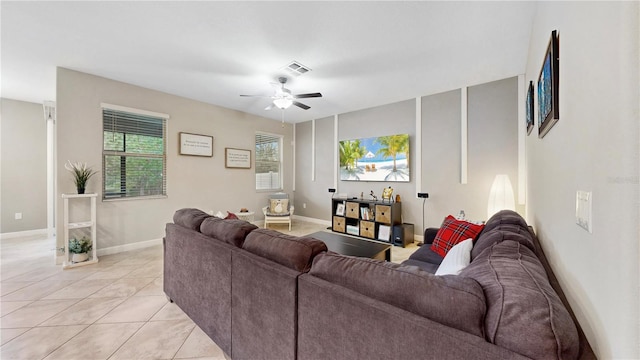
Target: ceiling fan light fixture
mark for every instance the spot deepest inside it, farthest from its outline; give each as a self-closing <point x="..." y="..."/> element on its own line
<point x="283" y="103"/>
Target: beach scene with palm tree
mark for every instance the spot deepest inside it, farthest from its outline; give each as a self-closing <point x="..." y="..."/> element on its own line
<point x="383" y="158"/>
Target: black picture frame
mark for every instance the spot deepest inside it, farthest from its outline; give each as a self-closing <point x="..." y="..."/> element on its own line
<point x="529" y="107"/>
<point x="548" y="87"/>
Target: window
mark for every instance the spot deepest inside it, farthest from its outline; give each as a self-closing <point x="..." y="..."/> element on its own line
<point x="268" y="162"/>
<point x="134" y="153"/>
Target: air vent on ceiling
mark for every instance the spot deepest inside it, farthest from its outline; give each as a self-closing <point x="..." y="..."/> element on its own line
<point x="296" y="69"/>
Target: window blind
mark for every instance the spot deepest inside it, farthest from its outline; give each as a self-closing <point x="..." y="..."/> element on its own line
<point x="268" y="162"/>
<point x="134" y="155"/>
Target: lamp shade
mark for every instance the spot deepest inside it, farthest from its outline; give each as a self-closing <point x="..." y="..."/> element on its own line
<point x="500" y="195"/>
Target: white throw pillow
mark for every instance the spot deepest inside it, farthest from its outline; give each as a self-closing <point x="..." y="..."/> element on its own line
<point x="456" y="259"/>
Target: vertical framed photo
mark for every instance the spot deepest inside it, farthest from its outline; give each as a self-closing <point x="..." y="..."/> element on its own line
<point x="529" y="107"/>
<point x="340" y="209"/>
<point x="548" y="88"/>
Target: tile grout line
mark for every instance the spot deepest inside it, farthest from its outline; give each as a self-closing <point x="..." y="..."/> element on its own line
<point x="185" y="339"/>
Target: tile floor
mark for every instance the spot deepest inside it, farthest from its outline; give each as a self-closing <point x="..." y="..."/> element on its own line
<point x="114" y="309"/>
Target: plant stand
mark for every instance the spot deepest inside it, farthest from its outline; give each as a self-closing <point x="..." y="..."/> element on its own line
<point x="79" y="225"/>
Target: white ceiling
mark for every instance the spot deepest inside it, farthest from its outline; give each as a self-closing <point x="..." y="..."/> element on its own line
<point x="362" y="54"/>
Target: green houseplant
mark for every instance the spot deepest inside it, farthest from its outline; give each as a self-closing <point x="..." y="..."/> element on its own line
<point x="80" y="248"/>
<point x="81" y="174"/>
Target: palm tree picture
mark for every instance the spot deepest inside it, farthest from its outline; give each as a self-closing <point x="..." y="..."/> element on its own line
<point x="384" y="158"/>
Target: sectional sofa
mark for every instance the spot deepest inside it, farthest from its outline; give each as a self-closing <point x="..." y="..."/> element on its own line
<point x="260" y="294"/>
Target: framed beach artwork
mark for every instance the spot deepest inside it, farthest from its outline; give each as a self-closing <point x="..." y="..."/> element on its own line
<point x="548" y="88"/>
<point x="530" y="108"/>
<point x="382" y="158"/>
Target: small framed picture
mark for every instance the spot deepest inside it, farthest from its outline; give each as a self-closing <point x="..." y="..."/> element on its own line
<point x="530" y="108"/>
<point x="340" y="209"/>
<point x="384" y="232"/>
<point x="237" y="158"/>
<point x="196" y="145"/>
<point x="548" y="88"/>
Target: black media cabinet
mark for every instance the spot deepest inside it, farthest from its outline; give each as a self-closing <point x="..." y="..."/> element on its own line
<point x="366" y="218"/>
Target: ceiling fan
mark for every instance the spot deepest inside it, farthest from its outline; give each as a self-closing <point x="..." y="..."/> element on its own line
<point x="282" y="97"/>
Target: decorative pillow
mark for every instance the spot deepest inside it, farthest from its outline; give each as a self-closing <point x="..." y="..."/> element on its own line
<point x="457" y="258"/>
<point x="230" y="215"/>
<point x="279" y="207"/>
<point x="453" y="231"/>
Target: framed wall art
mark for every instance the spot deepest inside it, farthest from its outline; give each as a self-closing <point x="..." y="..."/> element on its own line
<point x="529" y="107"/>
<point x="237" y="158"/>
<point x="548" y="86"/>
<point x="196" y="145"/>
<point x="382" y="158"/>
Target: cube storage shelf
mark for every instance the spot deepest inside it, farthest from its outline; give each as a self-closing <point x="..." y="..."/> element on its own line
<point x="364" y="218"/>
<point x="90" y="223"/>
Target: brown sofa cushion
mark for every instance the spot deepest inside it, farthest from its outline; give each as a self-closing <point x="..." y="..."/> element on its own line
<point x="524" y="314"/>
<point x="231" y="231"/>
<point x="497" y="235"/>
<point x="505" y="221"/>
<point x="505" y="217"/>
<point x="293" y="252"/>
<point x="450" y="300"/>
<point x="190" y="218"/>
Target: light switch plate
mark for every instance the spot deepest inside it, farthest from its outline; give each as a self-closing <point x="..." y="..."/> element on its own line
<point x="583" y="210"/>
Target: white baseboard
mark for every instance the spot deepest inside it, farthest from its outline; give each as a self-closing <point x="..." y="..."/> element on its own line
<point x="312" y="220"/>
<point x="23" y="233"/>
<point x="128" y="247"/>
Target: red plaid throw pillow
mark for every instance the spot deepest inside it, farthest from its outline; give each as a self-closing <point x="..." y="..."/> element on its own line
<point x="452" y="232"/>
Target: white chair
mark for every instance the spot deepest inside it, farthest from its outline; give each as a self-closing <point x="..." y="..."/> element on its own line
<point x="278" y="211"/>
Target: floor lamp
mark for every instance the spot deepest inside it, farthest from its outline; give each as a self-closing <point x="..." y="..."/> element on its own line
<point x="500" y="196"/>
<point x="424" y="197"/>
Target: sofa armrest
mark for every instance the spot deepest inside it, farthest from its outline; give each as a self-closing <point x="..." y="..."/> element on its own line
<point x="429" y="235"/>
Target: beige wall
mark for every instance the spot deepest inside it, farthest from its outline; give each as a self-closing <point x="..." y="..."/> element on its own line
<point x="594" y="147"/>
<point x="23" y="166"/>
<point x="199" y="182"/>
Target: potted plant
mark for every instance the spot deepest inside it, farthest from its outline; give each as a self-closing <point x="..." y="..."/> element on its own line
<point x="79" y="249"/>
<point x="81" y="174"/>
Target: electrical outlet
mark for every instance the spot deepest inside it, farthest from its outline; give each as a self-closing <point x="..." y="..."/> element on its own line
<point x="18" y="216"/>
<point x="304" y="205"/>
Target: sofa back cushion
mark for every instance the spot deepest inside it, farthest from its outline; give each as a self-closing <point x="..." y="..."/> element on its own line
<point x="296" y="253"/>
<point x="500" y="234"/>
<point x="190" y="218"/>
<point x="450" y="300"/>
<point x="231" y="231"/>
<point x="524" y="313"/>
<point x="506" y="220"/>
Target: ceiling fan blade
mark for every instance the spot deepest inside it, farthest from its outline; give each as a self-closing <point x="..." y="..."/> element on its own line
<point x="269" y="107"/>
<point x="301" y="105"/>
<point x="264" y="96"/>
<point x="310" y="95"/>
